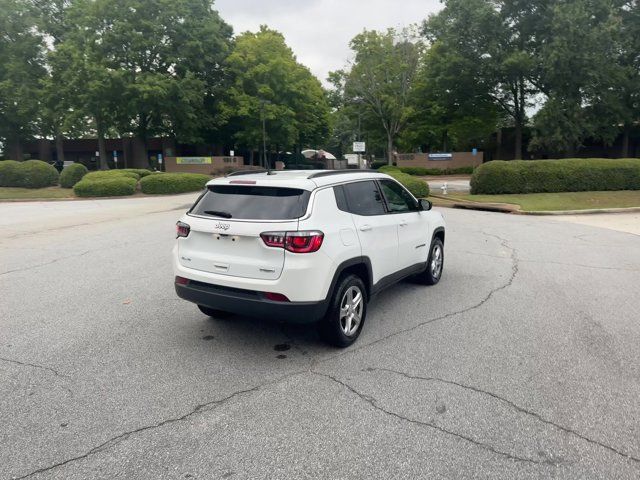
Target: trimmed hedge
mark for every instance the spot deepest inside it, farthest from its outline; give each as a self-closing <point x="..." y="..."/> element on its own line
<point x="117" y="186"/>
<point x="72" y="174"/>
<point x="567" y="175"/>
<point x="29" y="174"/>
<point x="419" y="188"/>
<point x="167" y="183"/>
<point x="9" y="173"/>
<point x="105" y="174"/>
<point x="389" y="168"/>
<point x="141" y="172"/>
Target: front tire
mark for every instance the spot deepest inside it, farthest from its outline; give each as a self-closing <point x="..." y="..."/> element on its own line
<point x="345" y="318"/>
<point x="435" y="264"/>
<point x="212" y="312"/>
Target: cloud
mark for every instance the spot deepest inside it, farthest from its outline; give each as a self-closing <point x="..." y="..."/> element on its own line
<point x="319" y="31"/>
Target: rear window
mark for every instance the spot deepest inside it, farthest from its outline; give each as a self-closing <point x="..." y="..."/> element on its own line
<point x="252" y="203"/>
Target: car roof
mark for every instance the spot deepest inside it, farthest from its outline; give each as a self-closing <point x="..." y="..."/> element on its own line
<point x="305" y="179"/>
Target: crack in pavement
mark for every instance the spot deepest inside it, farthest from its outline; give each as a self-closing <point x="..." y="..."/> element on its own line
<point x="485" y="299"/>
<point x="55" y="260"/>
<point x="372" y="401"/>
<point x="34" y="365"/>
<point x="204" y="407"/>
<point x="512" y="405"/>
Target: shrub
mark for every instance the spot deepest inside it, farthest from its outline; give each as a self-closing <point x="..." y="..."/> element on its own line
<point x="388" y="168"/>
<point x="117" y="186"/>
<point x="419" y="188"/>
<point x="141" y="172"/>
<point x="568" y="175"/>
<point x="166" y="183"/>
<point x="104" y="174"/>
<point x="9" y="173"/>
<point x="377" y="165"/>
<point x="29" y="174"/>
<point x="72" y="174"/>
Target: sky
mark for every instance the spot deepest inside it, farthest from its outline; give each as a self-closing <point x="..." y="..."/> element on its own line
<point x="319" y="31"/>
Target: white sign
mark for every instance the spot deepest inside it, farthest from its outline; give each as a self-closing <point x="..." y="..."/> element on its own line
<point x="359" y="147"/>
<point x="97" y="153"/>
<point x="440" y="156"/>
<point x="232" y="153"/>
<point x="159" y="158"/>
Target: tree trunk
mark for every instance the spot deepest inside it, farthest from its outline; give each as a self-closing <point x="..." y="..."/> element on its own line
<point x="625" y="141"/>
<point x="140" y="157"/>
<point x="389" y="149"/>
<point x="60" y="148"/>
<point x="499" y="144"/>
<point x="16" y="150"/>
<point x="102" y="147"/>
<point x="518" y="140"/>
<point x="251" y="157"/>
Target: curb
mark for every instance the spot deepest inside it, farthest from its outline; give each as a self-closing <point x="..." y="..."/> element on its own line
<point x="515" y="209"/>
<point x="592" y="211"/>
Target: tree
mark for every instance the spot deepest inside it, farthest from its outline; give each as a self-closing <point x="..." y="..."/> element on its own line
<point x="21" y="69"/>
<point x="268" y="83"/>
<point x="381" y="77"/>
<point x="454" y="108"/>
<point x="496" y="42"/>
<point x="580" y="76"/>
<point x="162" y="57"/>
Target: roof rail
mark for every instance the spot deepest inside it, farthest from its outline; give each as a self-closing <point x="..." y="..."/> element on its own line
<point x="245" y="172"/>
<point x="326" y="173"/>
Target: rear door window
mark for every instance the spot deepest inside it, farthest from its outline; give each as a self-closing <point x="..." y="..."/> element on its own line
<point x="364" y="198"/>
<point x="252" y="202"/>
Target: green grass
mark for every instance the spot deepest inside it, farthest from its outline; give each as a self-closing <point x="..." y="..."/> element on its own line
<point x="15" y="193"/>
<point x="561" y="201"/>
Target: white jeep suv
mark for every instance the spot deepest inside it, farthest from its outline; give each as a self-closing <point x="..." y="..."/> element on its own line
<point x="304" y="246"/>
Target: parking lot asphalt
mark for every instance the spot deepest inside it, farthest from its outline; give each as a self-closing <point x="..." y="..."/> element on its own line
<point x="524" y="362"/>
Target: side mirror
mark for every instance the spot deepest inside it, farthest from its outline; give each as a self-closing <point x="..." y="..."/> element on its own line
<point x="425" y="205"/>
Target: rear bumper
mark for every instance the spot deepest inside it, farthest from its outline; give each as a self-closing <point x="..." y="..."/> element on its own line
<point x="250" y="303"/>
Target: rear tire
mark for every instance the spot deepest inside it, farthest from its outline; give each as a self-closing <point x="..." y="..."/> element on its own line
<point x="347" y="312"/>
<point x="435" y="264"/>
<point x="212" y="312"/>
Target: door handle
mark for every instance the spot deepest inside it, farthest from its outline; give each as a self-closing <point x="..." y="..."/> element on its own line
<point x="365" y="228"/>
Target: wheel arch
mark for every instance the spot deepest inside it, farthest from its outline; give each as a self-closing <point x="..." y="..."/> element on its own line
<point x="360" y="266"/>
<point x="438" y="233"/>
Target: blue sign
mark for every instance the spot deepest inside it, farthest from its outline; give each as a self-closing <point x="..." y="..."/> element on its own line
<point x="474" y="152"/>
<point x="115" y="154"/>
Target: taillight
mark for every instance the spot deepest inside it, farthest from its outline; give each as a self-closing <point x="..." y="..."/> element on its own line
<point x="273" y="239"/>
<point x="182" y="229"/>
<point x="303" y="242"/>
<point x="296" y="242"/>
<point x="182" y="281"/>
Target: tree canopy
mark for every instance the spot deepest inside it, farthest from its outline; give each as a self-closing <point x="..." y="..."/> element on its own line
<point x="267" y="83"/>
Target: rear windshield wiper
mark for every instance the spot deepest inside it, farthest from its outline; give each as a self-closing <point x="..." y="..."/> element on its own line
<point x="216" y="213"/>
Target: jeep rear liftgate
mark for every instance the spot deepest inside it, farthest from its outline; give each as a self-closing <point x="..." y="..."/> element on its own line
<point x="226" y="227"/>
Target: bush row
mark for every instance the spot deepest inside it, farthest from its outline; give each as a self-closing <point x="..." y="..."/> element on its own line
<point x="29" y="174"/>
<point x="421" y="171"/>
<point x="116" y="186"/>
<point x="166" y="183"/>
<point x="567" y="175"/>
<point x="107" y="174"/>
